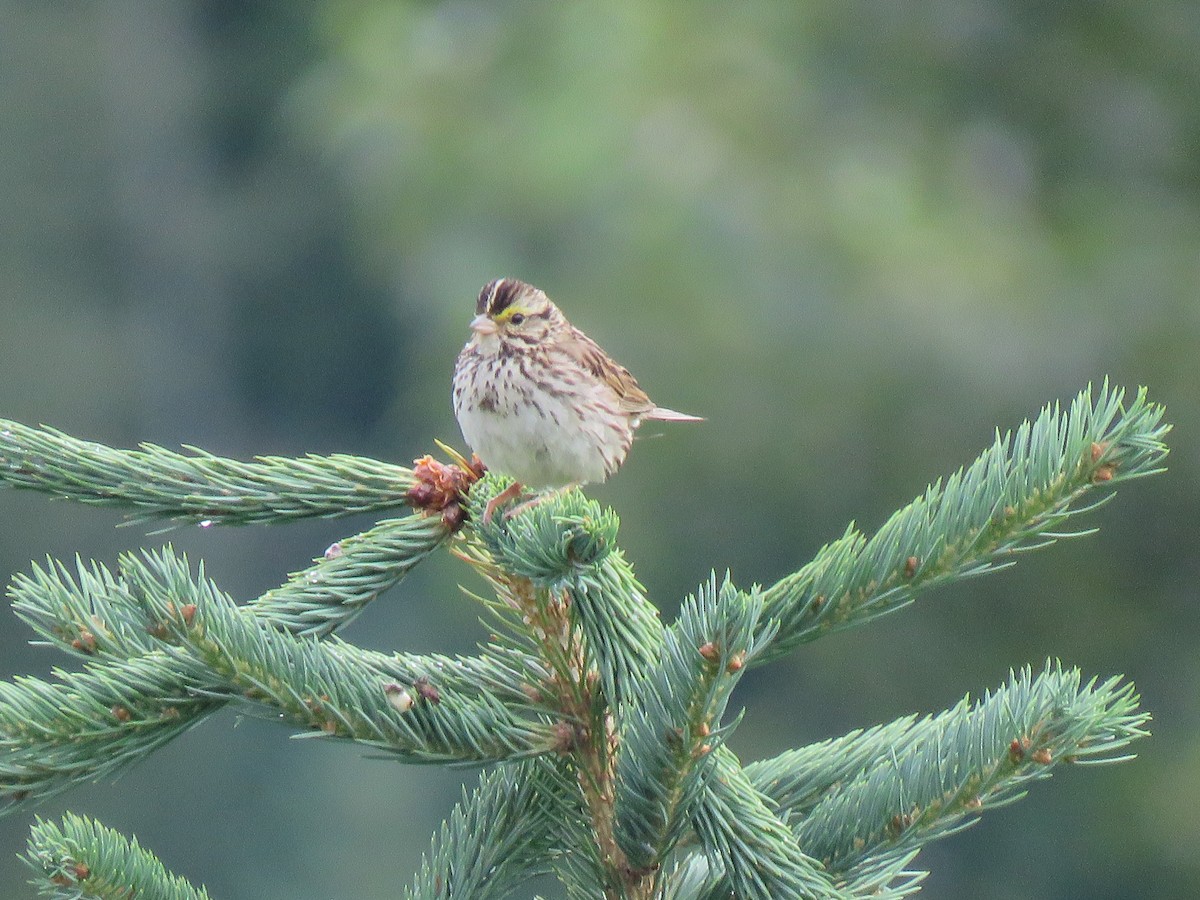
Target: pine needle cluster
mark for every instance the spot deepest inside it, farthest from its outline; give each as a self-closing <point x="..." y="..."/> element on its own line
<point x="601" y="731"/>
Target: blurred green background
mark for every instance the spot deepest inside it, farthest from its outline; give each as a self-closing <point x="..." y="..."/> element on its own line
<point x="855" y="236"/>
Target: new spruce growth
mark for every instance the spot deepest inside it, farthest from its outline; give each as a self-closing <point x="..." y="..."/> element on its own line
<point x="602" y="730"/>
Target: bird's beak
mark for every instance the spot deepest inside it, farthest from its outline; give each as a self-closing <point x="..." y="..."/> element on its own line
<point x="483" y="326"/>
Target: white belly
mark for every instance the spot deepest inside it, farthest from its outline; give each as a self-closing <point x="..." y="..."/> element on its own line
<point x="540" y="439"/>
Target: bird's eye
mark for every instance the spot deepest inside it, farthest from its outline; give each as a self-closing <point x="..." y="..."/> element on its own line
<point x="517" y="318"/>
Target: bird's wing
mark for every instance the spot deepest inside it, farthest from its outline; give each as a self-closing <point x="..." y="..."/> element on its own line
<point x="588" y="354"/>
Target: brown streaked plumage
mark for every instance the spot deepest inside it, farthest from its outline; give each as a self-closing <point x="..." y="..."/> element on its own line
<point x="539" y="400"/>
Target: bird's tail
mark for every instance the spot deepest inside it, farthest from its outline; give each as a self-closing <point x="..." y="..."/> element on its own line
<point x="669" y="415"/>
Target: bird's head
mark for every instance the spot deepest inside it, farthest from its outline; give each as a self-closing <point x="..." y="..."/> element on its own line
<point x="513" y="310"/>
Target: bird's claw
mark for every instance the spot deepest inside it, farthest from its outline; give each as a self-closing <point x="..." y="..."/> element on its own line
<point x="512" y="492"/>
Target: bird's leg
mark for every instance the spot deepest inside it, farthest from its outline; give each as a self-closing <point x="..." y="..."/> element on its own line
<point x="512" y="492"/>
<point x="538" y="498"/>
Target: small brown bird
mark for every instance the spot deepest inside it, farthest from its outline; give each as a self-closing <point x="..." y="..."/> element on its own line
<point x="537" y="399"/>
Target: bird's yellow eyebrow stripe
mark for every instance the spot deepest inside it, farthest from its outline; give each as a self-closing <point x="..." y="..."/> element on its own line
<point x="508" y="312"/>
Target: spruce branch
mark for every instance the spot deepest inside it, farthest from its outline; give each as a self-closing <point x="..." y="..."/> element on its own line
<point x="607" y="727"/>
<point x="866" y="803"/>
<point x="691" y="878"/>
<point x="137" y="693"/>
<point x="1016" y="496"/>
<point x="670" y="734"/>
<point x="89" y="725"/>
<point x="201" y="487"/>
<point x="947" y="769"/>
<point x="758" y="856"/>
<point x="565" y="593"/>
<point x="566" y="543"/>
<point x="83" y="860"/>
<point x="327" y="686"/>
<point x="350" y="574"/>
<point x="79" y="611"/>
<point x="95" y="613"/>
<point x="797" y="780"/>
<point x="500" y="835"/>
<point x="89" y="612"/>
<point x="540" y="619"/>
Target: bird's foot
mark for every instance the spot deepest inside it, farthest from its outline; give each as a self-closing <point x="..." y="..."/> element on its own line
<point x="538" y="498"/>
<point x="512" y="492"/>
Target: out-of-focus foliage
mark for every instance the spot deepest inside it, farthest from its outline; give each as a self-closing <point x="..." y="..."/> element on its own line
<point x="855" y="236"/>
